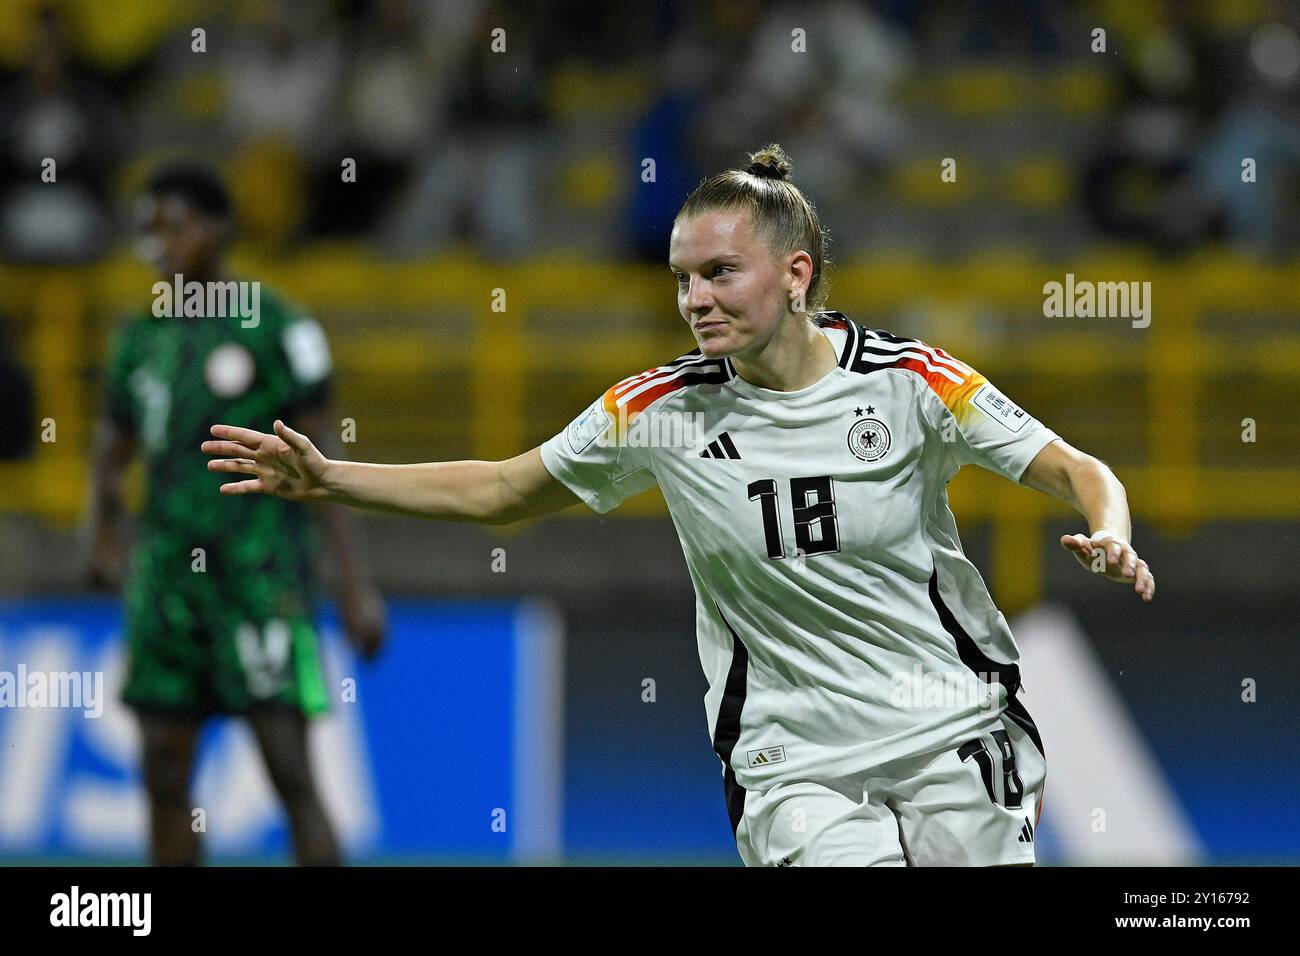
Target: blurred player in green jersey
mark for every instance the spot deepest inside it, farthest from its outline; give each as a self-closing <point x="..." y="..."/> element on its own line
<point x="217" y="622"/>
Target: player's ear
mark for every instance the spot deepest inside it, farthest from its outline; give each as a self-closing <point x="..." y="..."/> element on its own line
<point x="799" y="269"/>
<point x="799" y="265"/>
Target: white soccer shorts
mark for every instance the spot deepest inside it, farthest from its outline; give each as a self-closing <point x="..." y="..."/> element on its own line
<point x="973" y="805"/>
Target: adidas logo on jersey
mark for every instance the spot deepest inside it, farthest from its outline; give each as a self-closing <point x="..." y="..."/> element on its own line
<point x="721" y="447"/>
<point x="759" y="758"/>
<point x="1026" y="834"/>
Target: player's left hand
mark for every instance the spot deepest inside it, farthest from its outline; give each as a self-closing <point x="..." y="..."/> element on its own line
<point x="1122" y="562"/>
<point x="365" y="620"/>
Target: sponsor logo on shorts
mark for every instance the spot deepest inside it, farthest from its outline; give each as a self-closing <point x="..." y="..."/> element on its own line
<point x="760" y="758"/>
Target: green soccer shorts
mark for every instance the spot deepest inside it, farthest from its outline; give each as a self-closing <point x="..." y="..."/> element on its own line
<point x="191" y="650"/>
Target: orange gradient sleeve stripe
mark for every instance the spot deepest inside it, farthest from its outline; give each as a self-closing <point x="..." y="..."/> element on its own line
<point x="621" y="417"/>
<point x="956" y="396"/>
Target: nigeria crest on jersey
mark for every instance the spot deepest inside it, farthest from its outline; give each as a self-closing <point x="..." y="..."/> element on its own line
<point x="869" y="439"/>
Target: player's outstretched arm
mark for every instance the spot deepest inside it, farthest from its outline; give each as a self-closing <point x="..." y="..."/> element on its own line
<point x="1089" y="486"/>
<point x="286" y="464"/>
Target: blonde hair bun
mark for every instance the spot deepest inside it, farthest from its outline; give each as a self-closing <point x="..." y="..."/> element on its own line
<point x="770" y="162"/>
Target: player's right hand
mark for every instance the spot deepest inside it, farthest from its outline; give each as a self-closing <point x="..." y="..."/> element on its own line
<point x="285" y="464"/>
<point x="1121" y="562"/>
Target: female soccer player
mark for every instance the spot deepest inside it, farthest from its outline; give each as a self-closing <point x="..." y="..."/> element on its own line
<point x="832" y="593"/>
<point x="237" y="638"/>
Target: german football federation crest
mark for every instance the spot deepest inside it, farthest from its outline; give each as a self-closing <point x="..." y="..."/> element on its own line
<point x="869" y="439"/>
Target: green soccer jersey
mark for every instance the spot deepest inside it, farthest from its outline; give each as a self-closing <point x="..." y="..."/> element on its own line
<point x="228" y="609"/>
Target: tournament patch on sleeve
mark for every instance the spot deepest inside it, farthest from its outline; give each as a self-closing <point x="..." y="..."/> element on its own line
<point x="587" y="427"/>
<point x="1000" y="408"/>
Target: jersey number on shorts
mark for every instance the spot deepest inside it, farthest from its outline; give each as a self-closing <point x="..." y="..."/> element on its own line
<point x="1012" y="788"/>
<point x="816" y="530"/>
<point x="264" y="656"/>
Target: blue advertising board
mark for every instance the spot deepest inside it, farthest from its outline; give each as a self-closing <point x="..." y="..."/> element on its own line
<point x="449" y="746"/>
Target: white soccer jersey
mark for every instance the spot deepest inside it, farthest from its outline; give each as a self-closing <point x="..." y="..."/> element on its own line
<point x="835" y="608"/>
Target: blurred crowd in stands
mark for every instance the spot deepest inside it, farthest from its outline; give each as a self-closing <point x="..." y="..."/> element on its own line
<point x="542" y="146"/>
